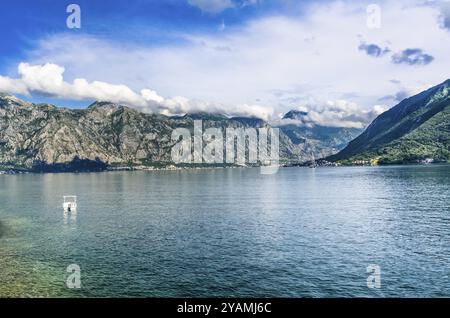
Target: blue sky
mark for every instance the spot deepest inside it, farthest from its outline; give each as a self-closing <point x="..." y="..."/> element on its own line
<point x="139" y="21"/>
<point x="135" y="21"/>
<point x="240" y="57"/>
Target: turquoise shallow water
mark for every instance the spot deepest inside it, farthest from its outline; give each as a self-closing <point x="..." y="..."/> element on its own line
<point x="228" y="232"/>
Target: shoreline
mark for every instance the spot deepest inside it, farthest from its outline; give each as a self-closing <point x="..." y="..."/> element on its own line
<point x="174" y="168"/>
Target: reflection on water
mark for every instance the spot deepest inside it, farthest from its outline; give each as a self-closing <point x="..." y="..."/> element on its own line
<point x="228" y="232"/>
<point x="2" y="229"/>
<point x="70" y="217"/>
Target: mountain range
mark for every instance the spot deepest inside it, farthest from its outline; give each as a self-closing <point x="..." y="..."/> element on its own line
<point x="318" y="140"/>
<point x="47" y="138"/>
<point x="415" y="130"/>
<point x="43" y="137"/>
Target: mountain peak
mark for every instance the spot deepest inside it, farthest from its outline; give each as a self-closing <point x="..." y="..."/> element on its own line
<point x="6" y="96"/>
<point x="444" y="84"/>
<point x="296" y="114"/>
<point x="8" y="99"/>
<point x="103" y="104"/>
<point x="440" y="93"/>
<point x="205" y="116"/>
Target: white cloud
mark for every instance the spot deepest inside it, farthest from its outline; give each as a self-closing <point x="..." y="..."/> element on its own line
<point x="342" y="113"/>
<point x="279" y="62"/>
<point x="338" y="113"/>
<point x="11" y="85"/>
<point x="48" y="79"/>
<point x="444" y="12"/>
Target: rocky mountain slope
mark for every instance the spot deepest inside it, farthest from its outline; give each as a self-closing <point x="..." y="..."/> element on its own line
<point x="43" y="137"/>
<point x="416" y="129"/>
<point x="320" y="140"/>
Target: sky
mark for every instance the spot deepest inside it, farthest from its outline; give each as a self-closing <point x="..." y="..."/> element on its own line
<point x="344" y="62"/>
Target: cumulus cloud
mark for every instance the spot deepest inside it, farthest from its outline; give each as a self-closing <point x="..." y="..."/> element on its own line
<point x="309" y="58"/>
<point x="340" y="113"/>
<point x="10" y="85"/>
<point x="48" y="79"/>
<point x="373" y="49"/>
<point x="248" y="62"/>
<point x="412" y="57"/>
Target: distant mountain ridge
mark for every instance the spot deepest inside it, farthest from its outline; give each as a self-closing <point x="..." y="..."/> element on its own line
<point x="316" y="139"/>
<point x="296" y="115"/>
<point x="416" y="129"/>
<point x="43" y="137"/>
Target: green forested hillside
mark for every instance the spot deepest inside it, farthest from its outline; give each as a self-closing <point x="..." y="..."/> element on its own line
<point x="416" y="129"/>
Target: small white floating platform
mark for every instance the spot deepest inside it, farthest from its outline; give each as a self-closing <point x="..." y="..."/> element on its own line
<point x="70" y="203"/>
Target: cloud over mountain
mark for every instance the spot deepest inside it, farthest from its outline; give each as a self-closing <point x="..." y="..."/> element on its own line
<point x="339" y="113"/>
<point x="310" y="58"/>
<point x="48" y="79"/>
